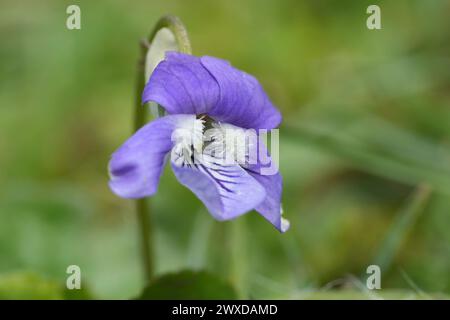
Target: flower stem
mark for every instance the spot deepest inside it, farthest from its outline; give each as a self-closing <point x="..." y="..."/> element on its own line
<point x="238" y="257"/>
<point x="140" y="118"/>
<point x="143" y="205"/>
<point x="175" y="25"/>
<point x="146" y="239"/>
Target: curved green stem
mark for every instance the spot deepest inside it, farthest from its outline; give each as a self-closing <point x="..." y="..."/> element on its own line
<point x="238" y="257"/>
<point x="140" y="118"/>
<point x="175" y="25"/>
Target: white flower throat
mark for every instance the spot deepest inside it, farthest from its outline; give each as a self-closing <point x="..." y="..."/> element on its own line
<point x="199" y="138"/>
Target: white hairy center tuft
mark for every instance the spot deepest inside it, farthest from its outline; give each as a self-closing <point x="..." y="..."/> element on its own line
<point x="226" y="143"/>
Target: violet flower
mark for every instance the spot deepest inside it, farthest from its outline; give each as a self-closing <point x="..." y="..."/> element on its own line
<point x="199" y="93"/>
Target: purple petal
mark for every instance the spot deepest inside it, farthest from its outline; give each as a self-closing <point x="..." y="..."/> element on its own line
<point x="182" y="85"/>
<point x="185" y="84"/>
<point x="227" y="191"/>
<point x="136" y="166"/>
<point x="270" y="208"/>
<point x="242" y="100"/>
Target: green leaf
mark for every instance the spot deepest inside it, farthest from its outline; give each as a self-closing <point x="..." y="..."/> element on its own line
<point x="77" y="294"/>
<point x="188" y="285"/>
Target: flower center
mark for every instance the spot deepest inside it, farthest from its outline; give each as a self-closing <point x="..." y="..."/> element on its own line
<point x="226" y="144"/>
<point x="188" y="141"/>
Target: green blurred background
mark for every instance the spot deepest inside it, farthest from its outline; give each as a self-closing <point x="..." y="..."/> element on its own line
<point x="364" y="148"/>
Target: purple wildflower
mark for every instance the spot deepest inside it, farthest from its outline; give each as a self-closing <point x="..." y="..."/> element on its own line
<point x="201" y="92"/>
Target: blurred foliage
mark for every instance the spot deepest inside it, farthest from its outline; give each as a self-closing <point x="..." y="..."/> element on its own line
<point x="29" y="285"/>
<point x="359" y="295"/>
<point x="367" y="121"/>
<point x="188" y="285"/>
